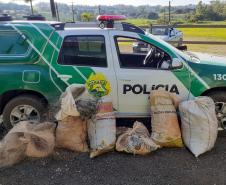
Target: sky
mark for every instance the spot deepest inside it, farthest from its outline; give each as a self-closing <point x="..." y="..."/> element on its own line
<point x="127" y="2"/>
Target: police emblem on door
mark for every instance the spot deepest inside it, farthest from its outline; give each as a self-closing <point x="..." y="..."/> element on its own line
<point x="98" y="85"/>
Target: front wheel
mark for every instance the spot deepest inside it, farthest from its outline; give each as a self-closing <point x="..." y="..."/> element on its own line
<point x="219" y="98"/>
<point x="23" y="108"/>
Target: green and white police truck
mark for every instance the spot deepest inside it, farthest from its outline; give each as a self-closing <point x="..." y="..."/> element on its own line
<point x="38" y="60"/>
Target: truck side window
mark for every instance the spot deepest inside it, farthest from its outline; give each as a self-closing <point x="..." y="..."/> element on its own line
<point x="132" y="53"/>
<point x="83" y="51"/>
<point x="12" y="43"/>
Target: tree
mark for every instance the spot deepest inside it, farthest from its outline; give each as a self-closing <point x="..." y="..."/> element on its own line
<point x="87" y="16"/>
<point x="152" y="15"/>
<point x="215" y="11"/>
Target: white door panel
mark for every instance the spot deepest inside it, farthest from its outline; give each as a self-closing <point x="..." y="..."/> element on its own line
<point x="134" y="88"/>
<point x="134" y="85"/>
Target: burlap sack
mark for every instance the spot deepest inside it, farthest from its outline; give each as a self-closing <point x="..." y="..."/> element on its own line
<point x="76" y="101"/>
<point x="40" y="140"/>
<point x="199" y="124"/>
<point x="165" y="127"/>
<point x="71" y="134"/>
<point x="27" y="139"/>
<point x="136" y="141"/>
<point x="121" y="130"/>
<point x="102" y="129"/>
<point x="40" y="137"/>
<point x="12" y="149"/>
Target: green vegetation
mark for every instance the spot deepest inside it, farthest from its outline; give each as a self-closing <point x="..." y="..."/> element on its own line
<point x="140" y="15"/>
<point x="147" y="22"/>
<point x="206" y="23"/>
<point x="141" y="22"/>
<point x="87" y="16"/>
<point x="215" y="11"/>
<point x="204" y="34"/>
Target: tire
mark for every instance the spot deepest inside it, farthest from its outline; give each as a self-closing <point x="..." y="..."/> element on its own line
<point x="27" y="102"/>
<point x="219" y="97"/>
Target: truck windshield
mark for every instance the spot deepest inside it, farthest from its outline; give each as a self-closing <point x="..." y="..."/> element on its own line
<point x="160" y="31"/>
<point x="172" y="48"/>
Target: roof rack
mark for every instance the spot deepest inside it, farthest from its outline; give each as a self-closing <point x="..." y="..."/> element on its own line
<point x="58" y="25"/>
<point x="132" y="28"/>
<point x="35" y="17"/>
<point x="104" y="21"/>
<point x="124" y="26"/>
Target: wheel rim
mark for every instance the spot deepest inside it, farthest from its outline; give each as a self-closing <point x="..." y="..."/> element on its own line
<point x="24" y="113"/>
<point x="221" y="113"/>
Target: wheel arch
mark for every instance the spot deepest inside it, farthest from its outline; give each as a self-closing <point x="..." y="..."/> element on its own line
<point x="7" y="96"/>
<point x="215" y="89"/>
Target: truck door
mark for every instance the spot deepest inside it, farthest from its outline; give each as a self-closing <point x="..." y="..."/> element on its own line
<point x="136" y="80"/>
<point x="85" y="54"/>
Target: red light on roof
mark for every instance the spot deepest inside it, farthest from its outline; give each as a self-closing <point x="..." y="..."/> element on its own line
<point x="111" y="17"/>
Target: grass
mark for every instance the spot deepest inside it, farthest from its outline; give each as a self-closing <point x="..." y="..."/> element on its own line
<point x="209" y="34"/>
<point x="208" y="23"/>
<point x="197" y="34"/>
<point x="141" y="22"/>
<point x="205" y="34"/>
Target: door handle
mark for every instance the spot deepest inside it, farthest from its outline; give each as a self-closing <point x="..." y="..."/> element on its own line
<point x="65" y="78"/>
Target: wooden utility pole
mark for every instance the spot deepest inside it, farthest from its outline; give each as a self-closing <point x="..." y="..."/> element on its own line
<point x="169" y="12"/>
<point x="31" y="4"/>
<point x="164" y="15"/>
<point x="53" y="9"/>
<point x="73" y="12"/>
<point x="32" y="10"/>
<point x="57" y="12"/>
<point x="99" y="10"/>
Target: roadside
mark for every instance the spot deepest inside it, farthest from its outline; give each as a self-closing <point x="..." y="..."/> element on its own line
<point x="219" y="50"/>
<point x="170" y="166"/>
<point x="205" y="34"/>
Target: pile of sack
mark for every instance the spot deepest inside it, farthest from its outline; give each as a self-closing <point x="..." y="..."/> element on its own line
<point x="198" y="132"/>
<point x="84" y="124"/>
<point x="199" y="124"/>
<point x="81" y="115"/>
<point x="164" y="123"/>
<point x="87" y="124"/>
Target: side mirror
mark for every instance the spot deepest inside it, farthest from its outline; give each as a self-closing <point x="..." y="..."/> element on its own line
<point x="172" y="33"/>
<point x="176" y="64"/>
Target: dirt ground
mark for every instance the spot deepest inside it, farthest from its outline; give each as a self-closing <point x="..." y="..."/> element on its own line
<point x="166" y="166"/>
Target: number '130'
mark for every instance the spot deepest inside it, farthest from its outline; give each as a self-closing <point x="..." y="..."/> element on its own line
<point x="219" y="76"/>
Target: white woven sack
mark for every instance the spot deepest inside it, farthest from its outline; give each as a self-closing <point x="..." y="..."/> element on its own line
<point x="68" y="107"/>
<point x="199" y="124"/>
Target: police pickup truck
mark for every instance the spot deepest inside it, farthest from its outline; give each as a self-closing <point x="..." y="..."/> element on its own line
<point x="38" y="60"/>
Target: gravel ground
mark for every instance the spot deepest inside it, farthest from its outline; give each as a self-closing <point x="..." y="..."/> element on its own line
<point x="165" y="166"/>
